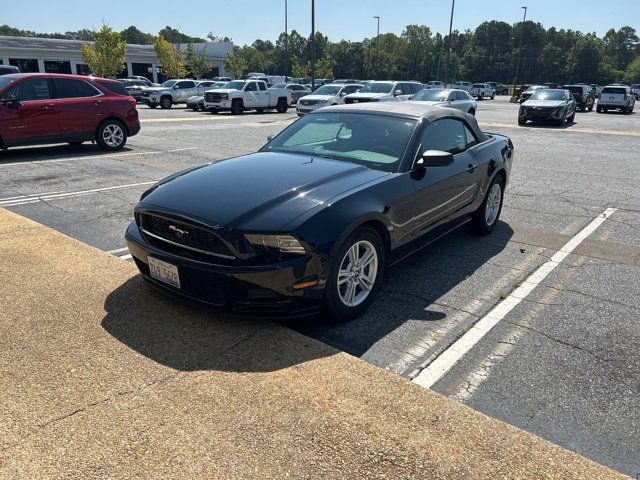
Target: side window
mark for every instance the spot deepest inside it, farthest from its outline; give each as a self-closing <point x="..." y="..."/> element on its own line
<point x="187" y="84"/>
<point x="68" y="88"/>
<point x="447" y="135"/>
<point x="406" y="89"/>
<point x="251" y="87"/>
<point x="471" y="138"/>
<point x="262" y="86"/>
<point x="33" y="89"/>
<point x="416" y="87"/>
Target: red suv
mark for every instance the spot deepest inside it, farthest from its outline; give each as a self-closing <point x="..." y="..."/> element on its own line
<point x="38" y="108"/>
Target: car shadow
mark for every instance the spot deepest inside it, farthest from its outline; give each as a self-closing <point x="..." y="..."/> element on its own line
<point x="410" y="289"/>
<point x="54" y="152"/>
<point x="187" y="336"/>
<point x="547" y="125"/>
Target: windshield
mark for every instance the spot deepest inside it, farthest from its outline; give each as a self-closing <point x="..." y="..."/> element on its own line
<point x="279" y="85"/>
<point x="478" y="85"/>
<point x="376" y="141"/>
<point x="327" y="90"/>
<point x="235" y="85"/>
<point x="429" y="95"/>
<point x="545" y="94"/>
<point x="169" y="83"/>
<point x="378" y="87"/>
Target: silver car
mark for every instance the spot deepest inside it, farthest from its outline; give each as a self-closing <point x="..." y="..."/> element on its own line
<point x="453" y="98"/>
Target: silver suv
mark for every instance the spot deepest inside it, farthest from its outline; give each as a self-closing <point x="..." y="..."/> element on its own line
<point x="384" y="92"/>
<point x="616" y="97"/>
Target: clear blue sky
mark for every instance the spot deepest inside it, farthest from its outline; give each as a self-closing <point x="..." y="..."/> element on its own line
<point x="246" y="20"/>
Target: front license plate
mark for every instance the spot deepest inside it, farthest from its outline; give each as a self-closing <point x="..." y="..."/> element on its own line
<point x="163" y="271"/>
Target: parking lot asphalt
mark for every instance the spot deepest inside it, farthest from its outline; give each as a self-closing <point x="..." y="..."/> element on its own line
<point x="563" y="363"/>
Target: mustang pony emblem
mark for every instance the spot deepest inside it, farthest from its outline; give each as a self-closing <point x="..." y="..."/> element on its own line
<point x="179" y="232"/>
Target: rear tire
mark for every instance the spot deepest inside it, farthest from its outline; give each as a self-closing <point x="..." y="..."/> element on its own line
<point x="111" y="135"/>
<point x="572" y="118"/>
<point x="237" y="107"/>
<point x="166" y="102"/>
<point x="493" y="96"/>
<point x="598" y="109"/>
<point x="355" y="275"/>
<point x="486" y="217"/>
<point x="522" y="121"/>
<point x="281" y="106"/>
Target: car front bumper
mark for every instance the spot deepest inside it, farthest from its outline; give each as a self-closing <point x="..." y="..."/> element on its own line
<point x="252" y="290"/>
<point x="223" y="105"/>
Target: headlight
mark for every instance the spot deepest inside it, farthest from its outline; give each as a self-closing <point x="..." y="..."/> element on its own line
<point x="224" y="96"/>
<point x="284" y="243"/>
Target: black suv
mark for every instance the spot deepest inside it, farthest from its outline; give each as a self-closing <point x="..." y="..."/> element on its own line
<point x="585" y="96"/>
<point x="7" y="69"/>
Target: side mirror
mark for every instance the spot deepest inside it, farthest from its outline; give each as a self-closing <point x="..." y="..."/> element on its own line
<point x="397" y="92"/>
<point x="10" y="100"/>
<point x="270" y="137"/>
<point x="176" y="87"/>
<point x="435" y="158"/>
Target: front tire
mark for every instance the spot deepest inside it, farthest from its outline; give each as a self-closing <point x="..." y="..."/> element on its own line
<point x="166" y="102"/>
<point x="111" y="135"/>
<point x="486" y="217"/>
<point x="355" y="275"/>
<point x="237" y="107"/>
<point x="281" y="106"/>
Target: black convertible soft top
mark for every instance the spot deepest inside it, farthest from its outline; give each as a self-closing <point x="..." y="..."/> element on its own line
<point x="410" y="110"/>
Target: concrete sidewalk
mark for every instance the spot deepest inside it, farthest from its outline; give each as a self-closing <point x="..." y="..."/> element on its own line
<point x="103" y="377"/>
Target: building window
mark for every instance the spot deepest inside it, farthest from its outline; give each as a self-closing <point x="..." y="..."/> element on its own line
<point x="57" y="66"/>
<point x="26" y="65"/>
<point x="142" y="70"/>
<point x="83" y="69"/>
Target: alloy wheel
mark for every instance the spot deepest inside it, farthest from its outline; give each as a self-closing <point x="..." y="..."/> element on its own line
<point x="357" y="274"/>
<point x="113" y="135"/>
<point x="494" y="199"/>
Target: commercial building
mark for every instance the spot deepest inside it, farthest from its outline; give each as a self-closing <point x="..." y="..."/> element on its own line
<point x="31" y="54"/>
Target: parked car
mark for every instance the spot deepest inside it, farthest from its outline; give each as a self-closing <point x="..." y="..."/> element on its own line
<point x="134" y="87"/>
<point x="345" y="80"/>
<point x="499" y="88"/>
<point x="140" y="78"/>
<point x="616" y="97"/>
<point x="585" y="96"/>
<point x="7" y="69"/>
<point x="326" y="95"/>
<point x="240" y="95"/>
<point x="527" y="91"/>
<point x="552" y="85"/>
<point x="316" y="215"/>
<point x="169" y="93"/>
<point x="196" y="102"/>
<point x="482" y="91"/>
<point x="466" y="86"/>
<point x="434" y="84"/>
<point x="38" y="108"/>
<point x="454" y="98"/>
<point x="222" y="79"/>
<point x="635" y="89"/>
<point x="297" y="90"/>
<point x="384" y="92"/>
<point x="546" y="104"/>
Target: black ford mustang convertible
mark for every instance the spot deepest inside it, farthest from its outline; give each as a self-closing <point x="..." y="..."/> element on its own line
<point x="312" y="219"/>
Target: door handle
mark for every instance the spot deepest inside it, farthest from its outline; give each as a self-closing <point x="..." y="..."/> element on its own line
<point x="471" y="167"/>
<point x="47" y="107"/>
<point x="97" y="102"/>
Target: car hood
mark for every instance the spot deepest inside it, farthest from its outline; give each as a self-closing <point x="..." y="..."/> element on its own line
<point x="320" y="98"/>
<point x="367" y="95"/>
<point x="259" y="192"/>
<point x="221" y="90"/>
<point x="157" y="89"/>
<point x="544" y="103"/>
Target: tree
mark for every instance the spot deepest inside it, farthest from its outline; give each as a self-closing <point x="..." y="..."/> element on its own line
<point x="106" y="56"/>
<point x="197" y="63"/>
<point x="633" y="72"/>
<point x="236" y="65"/>
<point x="171" y="59"/>
<point x="135" y="36"/>
<point x="174" y="36"/>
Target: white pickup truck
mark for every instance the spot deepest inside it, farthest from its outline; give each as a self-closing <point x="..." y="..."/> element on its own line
<point x="482" y="91"/>
<point x="240" y="95"/>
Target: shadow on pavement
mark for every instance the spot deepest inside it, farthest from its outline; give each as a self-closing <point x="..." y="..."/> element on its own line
<point x="54" y="152"/>
<point x="190" y="337"/>
<point x="409" y="288"/>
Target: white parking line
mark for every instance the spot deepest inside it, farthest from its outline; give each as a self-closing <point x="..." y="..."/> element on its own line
<point x="118" y="250"/>
<point x="23" y="200"/>
<point x="447" y="359"/>
<point x="125" y="257"/>
<point x="94" y="157"/>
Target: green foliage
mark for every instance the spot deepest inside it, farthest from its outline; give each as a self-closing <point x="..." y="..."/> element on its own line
<point x="133" y="35"/>
<point x="633" y="71"/>
<point x="174" y="36"/>
<point x="106" y="56"/>
<point x="171" y="59"/>
<point x="236" y="65"/>
<point x="197" y="63"/>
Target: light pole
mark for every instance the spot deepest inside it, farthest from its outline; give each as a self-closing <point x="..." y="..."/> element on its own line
<point x="446" y="66"/>
<point x="286" y="43"/>
<point x="377" y="69"/>
<point x="313" y="45"/>
<point x="515" y="77"/>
